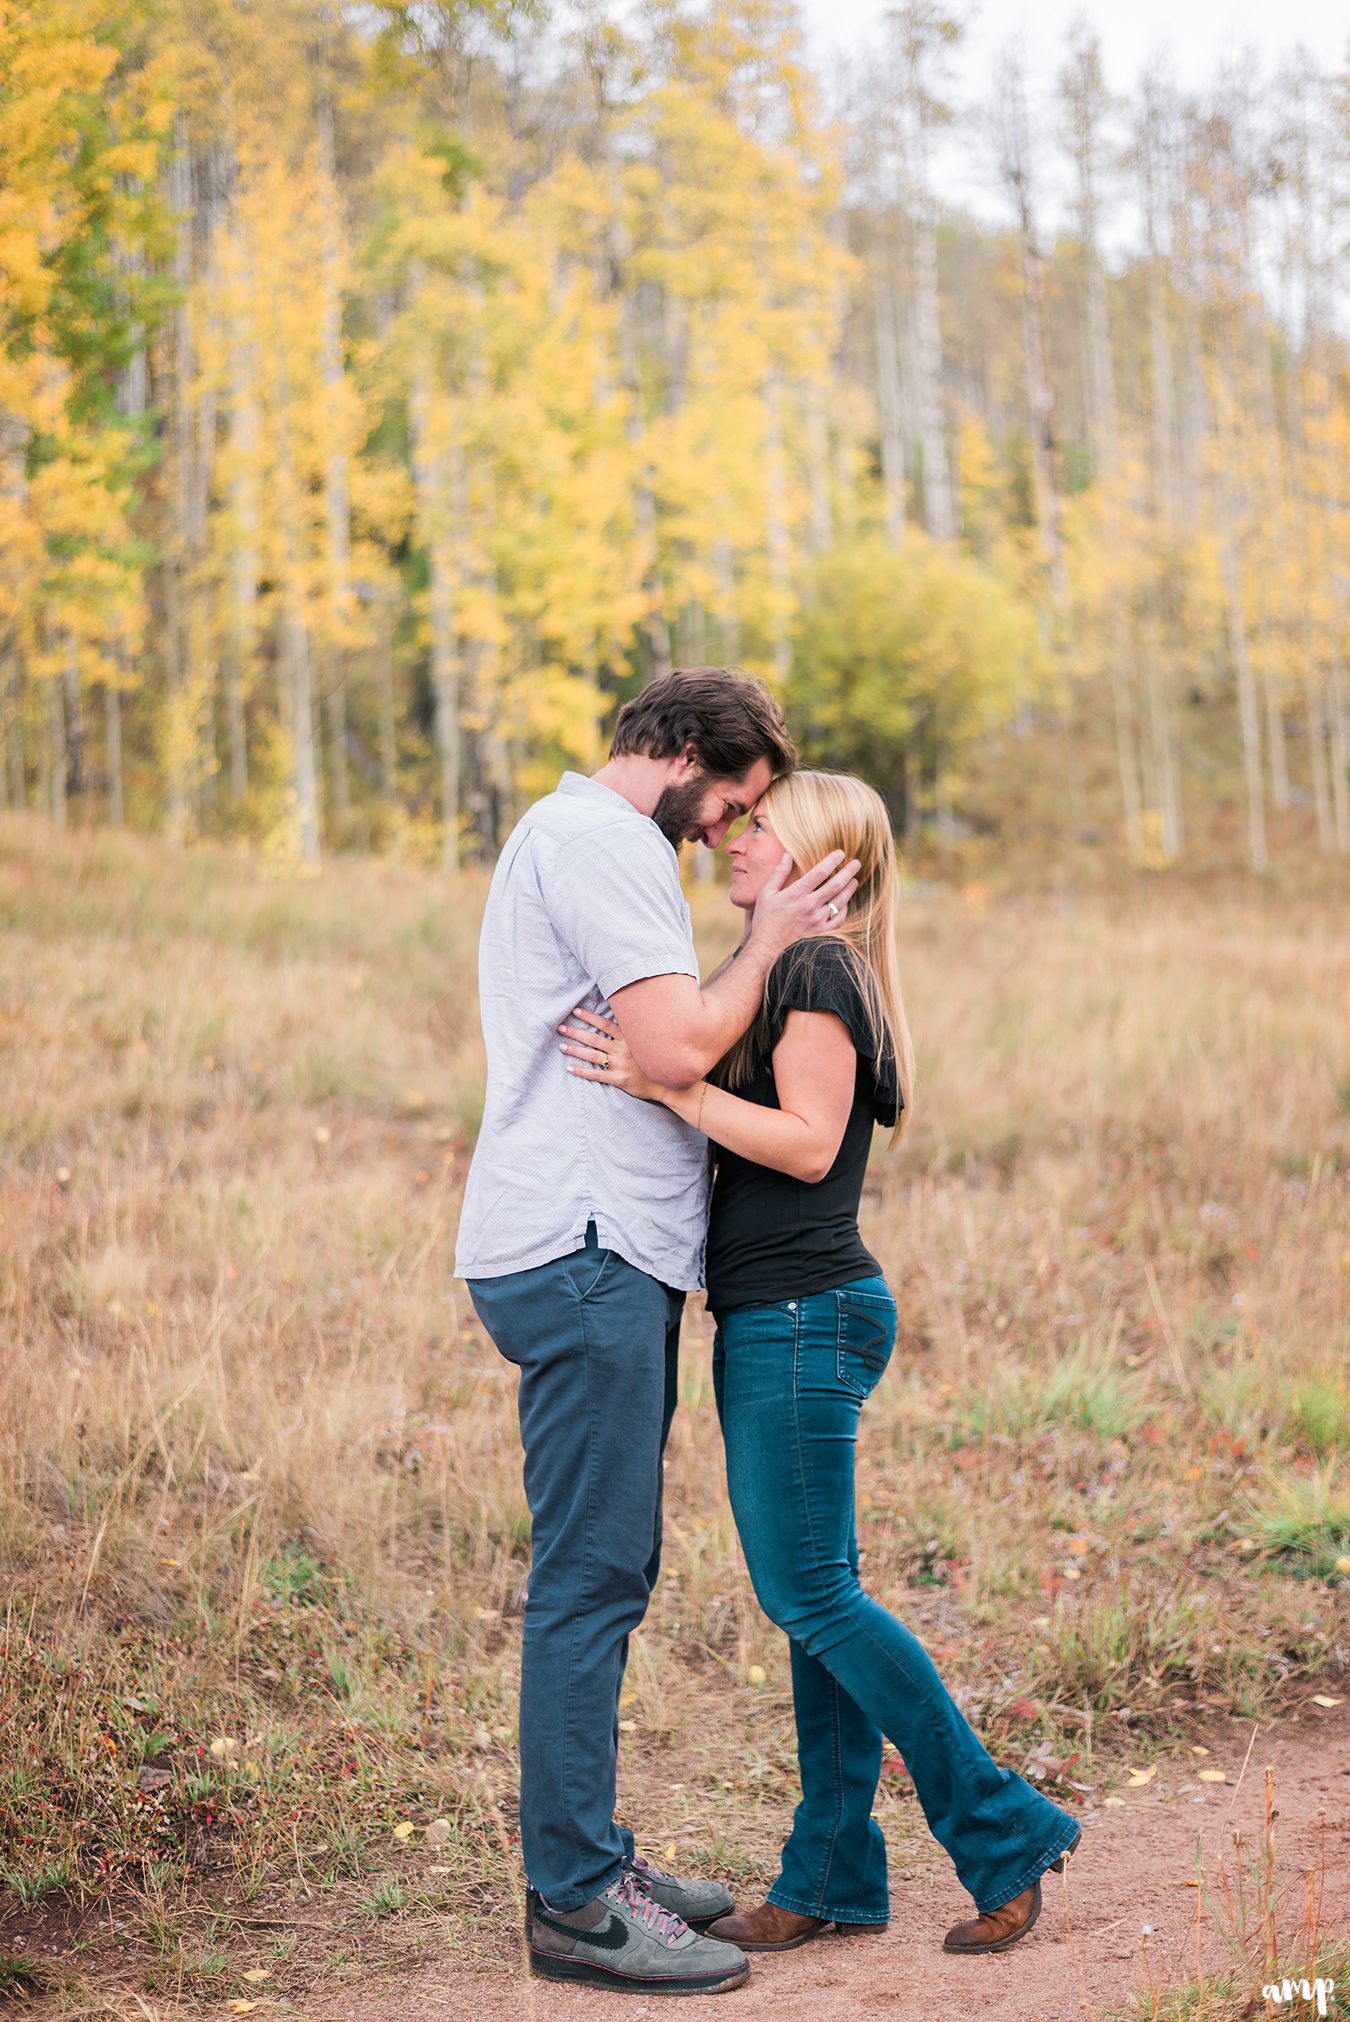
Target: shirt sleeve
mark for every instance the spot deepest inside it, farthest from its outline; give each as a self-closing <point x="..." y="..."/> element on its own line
<point x="614" y="897"/>
<point x="818" y="976"/>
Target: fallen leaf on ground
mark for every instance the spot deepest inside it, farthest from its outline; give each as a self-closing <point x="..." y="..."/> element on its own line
<point x="241" y="2007"/>
<point x="757" y="1674"/>
<point x="1196" y="1749"/>
<point x="256" y="1975"/>
<point x="1211" y="1776"/>
<point x="404" y="1830"/>
<point x="440" y="1832"/>
<point x="1321" y="1699"/>
<point x="1113" y="1800"/>
<point x="1142" y="1776"/>
<point x="668" y="1852"/>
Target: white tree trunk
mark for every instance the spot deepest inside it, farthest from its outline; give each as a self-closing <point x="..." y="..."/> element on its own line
<point x="112" y="703"/>
<point x="337" y="505"/>
<point x="297" y="670"/>
<point x="177" y="714"/>
<point x="776" y="527"/>
<point x="384" y="688"/>
<point x="889" y="394"/>
<point x="244" y="565"/>
<point x="432" y="458"/>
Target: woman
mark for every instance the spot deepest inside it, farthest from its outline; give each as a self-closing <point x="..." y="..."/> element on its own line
<point x="805" y="1328"/>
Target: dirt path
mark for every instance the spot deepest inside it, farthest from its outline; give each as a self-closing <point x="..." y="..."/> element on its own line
<point x="1091" y="1951"/>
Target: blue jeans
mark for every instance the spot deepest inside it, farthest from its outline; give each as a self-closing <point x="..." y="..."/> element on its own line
<point x="791" y="1381"/>
<point x="597" y="1345"/>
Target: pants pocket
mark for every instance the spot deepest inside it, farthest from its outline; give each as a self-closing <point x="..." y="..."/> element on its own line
<point x="865" y="1339"/>
<point x="584" y="1271"/>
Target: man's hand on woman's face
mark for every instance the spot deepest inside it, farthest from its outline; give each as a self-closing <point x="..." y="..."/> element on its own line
<point x="814" y="903"/>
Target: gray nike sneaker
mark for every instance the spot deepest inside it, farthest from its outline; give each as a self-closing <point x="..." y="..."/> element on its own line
<point x="624" y="1939"/>
<point x="697" y="1902"/>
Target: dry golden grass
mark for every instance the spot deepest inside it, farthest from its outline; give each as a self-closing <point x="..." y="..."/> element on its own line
<point x="262" y="1534"/>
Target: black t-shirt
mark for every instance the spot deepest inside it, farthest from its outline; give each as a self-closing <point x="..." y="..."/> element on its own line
<point x="772" y="1237"/>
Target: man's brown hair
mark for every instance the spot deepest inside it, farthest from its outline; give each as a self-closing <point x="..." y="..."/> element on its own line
<point x="729" y="717"/>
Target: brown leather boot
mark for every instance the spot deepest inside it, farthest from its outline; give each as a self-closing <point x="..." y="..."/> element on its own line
<point x="995" y="1930"/>
<point x="771" y="1929"/>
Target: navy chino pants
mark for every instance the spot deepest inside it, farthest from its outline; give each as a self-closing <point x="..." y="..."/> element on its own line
<point x="597" y="1345"/>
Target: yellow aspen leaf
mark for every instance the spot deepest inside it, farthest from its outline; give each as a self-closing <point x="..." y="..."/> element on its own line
<point x="1139" y="1777"/>
<point x="668" y="1852"/>
<point x="1320" y="1698"/>
<point x="256" y="1975"/>
<point x="404" y="1829"/>
<point x="757" y="1674"/>
<point x="1211" y="1775"/>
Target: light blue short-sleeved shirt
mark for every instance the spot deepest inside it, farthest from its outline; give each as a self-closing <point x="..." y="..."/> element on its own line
<point x="585" y="898"/>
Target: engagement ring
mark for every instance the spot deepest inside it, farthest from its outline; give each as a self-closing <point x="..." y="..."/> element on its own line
<point x="832" y="909"/>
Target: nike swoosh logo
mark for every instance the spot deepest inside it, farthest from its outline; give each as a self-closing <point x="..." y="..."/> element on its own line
<point x="611" y="1936"/>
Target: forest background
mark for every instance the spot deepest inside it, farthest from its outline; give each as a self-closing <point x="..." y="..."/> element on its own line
<point x="387" y="390"/>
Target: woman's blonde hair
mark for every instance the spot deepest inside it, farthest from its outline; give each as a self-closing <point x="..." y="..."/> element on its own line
<point x="812" y="813"/>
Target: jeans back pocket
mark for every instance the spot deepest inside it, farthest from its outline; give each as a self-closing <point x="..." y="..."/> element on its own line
<point x="866" y="1338"/>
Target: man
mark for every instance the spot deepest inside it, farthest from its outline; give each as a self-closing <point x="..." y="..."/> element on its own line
<point x="582" y="1230"/>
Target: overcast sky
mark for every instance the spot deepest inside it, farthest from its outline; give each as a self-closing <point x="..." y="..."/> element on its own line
<point x="1195" y="37"/>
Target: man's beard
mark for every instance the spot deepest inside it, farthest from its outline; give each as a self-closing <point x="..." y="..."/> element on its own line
<point x="678" y="807"/>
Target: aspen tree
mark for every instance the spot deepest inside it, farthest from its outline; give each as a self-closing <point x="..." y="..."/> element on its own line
<point x="920" y="36"/>
<point x="1086" y="105"/>
<point x="1152" y="156"/>
<point x="337" y="491"/>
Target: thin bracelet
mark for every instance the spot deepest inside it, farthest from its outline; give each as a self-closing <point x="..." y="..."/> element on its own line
<point x="698" y="1116"/>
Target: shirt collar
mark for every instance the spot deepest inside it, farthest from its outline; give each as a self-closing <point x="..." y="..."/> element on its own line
<point x="581" y="783"/>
